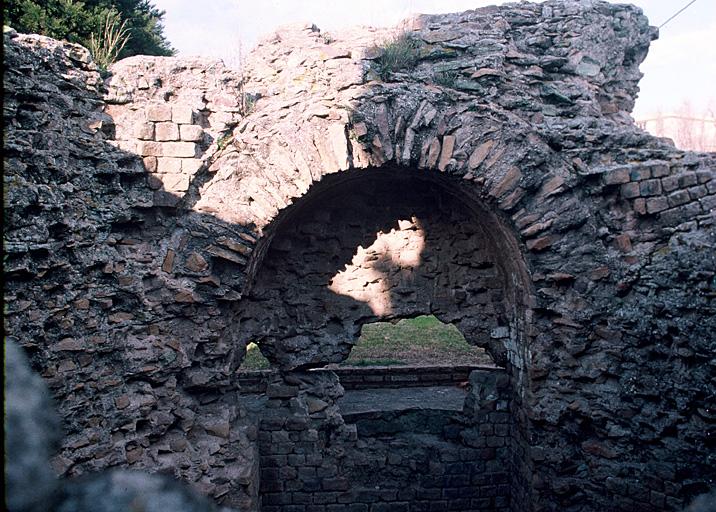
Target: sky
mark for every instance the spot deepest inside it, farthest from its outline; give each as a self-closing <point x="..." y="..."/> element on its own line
<point x="680" y="67"/>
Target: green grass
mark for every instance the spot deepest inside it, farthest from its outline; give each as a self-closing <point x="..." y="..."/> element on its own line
<point x="401" y="52"/>
<point x="422" y="341"/>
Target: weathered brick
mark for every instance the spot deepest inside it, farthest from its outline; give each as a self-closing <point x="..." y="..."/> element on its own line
<point x="704" y="176"/>
<point x="687" y="179"/>
<point x="656" y="204"/>
<point x="174" y="182"/>
<point x="630" y="190"/>
<point x="159" y="113"/>
<point x="659" y="170"/>
<point x="182" y="114"/>
<point x="166" y="131"/>
<point x="616" y="177"/>
<point x="191" y="132"/>
<point x="150" y="163"/>
<point x="697" y="192"/>
<point x="669" y="183"/>
<point x="678" y="198"/>
<point x="708" y="203"/>
<point x="640" y="205"/>
<point x="169" y="165"/>
<point x="640" y="174"/>
<point x="650" y="188"/>
<point x="144" y="131"/>
<point x="175" y="149"/>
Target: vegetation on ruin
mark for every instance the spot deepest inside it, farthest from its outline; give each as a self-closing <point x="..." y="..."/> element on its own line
<point x="111" y="29"/>
<point x="106" y="46"/>
<point x="419" y="341"/>
<point x="398" y="53"/>
<point x="447" y="78"/>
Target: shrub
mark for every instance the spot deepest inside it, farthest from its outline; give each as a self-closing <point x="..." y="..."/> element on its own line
<point x="398" y="53"/>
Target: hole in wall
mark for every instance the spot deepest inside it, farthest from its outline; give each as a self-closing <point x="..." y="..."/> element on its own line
<point x="376" y="247"/>
<point x="420" y="341"/>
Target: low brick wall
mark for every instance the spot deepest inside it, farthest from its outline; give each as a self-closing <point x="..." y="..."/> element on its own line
<point x="391" y="461"/>
<point x="376" y="377"/>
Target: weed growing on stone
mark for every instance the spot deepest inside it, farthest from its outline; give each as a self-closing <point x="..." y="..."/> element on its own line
<point x="247" y="103"/>
<point x="398" y="53"/>
<point x="446" y="78"/>
<point x="106" y="46"/>
<point x="224" y="141"/>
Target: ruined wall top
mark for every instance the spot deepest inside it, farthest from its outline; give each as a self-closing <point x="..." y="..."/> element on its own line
<point x="555" y="58"/>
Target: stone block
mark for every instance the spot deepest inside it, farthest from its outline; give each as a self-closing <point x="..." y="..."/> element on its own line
<point x="669" y="183"/>
<point x="190" y="165"/>
<point x="640" y="174"/>
<point x="166" y="131"/>
<point x="697" y="192"/>
<point x="169" y="165"/>
<point x="508" y="182"/>
<point x="616" y="177"/>
<point x="144" y="131"/>
<point x="446" y="153"/>
<point x="182" y="114"/>
<point x="630" y="190"/>
<point x="659" y="170"/>
<point x="623" y="242"/>
<point x="551" y="186"/>
<point x="656" y="204"/>
<point x="159" y="113"/>
<point x="335" y="484"/>
<point x="708" y="203"/>
<point x="480" y="153"/>
<point x="688" y="179"/>
<point x="174" y="182"/>
<point x="640" y="206"/>
<point x="195" y="262"/>
<point x="164" y="198"/>
<point x="130" y="146"/>
<point x="150" y="163"/>
<point x="191" y="132"/>
<point x="704" y="176"/>
<point x="175" y="149"/>
<point x="678" y="198"/>
<point x="650" y="187"/>
<point x="154" y="181"/>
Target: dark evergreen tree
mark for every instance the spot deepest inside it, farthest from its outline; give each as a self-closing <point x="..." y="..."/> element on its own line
<point x="78" y="20"/>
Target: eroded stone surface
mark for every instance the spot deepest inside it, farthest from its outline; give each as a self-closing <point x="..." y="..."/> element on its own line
<point x="523" y="109"/>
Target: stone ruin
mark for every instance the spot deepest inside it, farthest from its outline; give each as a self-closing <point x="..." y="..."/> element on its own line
<point x="158" y="220"/>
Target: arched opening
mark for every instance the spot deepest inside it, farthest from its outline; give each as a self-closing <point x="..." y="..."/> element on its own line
<point x="392" y="245"/>
<point x="377" y="245"/>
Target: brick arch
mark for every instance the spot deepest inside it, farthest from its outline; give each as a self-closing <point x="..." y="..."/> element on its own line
<point x="491" y="160"/>
<point x="427" y="247"/>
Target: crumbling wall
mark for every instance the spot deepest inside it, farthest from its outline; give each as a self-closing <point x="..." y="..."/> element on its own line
<point x="95" y="287"/>
<point x="411" y="460"/>
<point x="392" y="245"/>
<point x="129" y="296"/>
